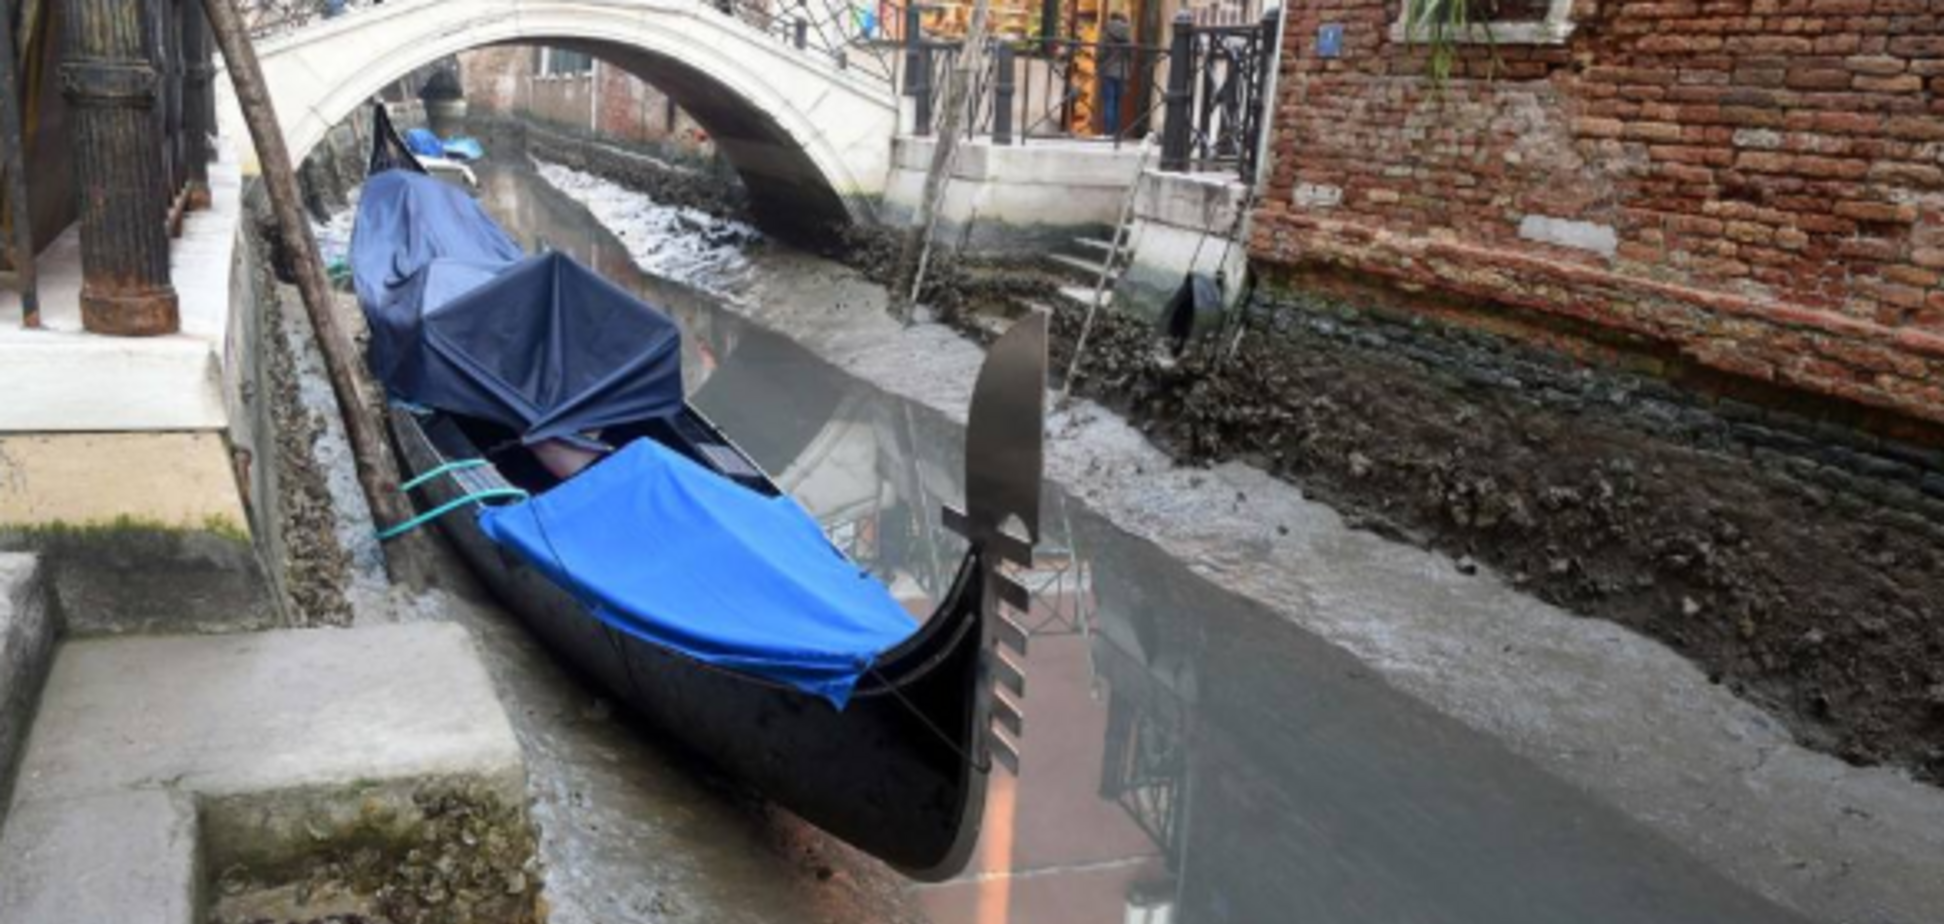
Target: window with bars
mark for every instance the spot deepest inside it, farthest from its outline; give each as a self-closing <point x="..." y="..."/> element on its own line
<point x="559" y="62"/>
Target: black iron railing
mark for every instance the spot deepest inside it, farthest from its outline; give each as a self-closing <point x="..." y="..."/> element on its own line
<point x="1210" y="114"/>
<point x="1039" y="89"/>
<point x="1217" y="103"/>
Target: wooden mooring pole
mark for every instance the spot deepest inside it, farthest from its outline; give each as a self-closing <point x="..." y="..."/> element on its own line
<point x="916" y="253"/>
<point x="377" y="470"/>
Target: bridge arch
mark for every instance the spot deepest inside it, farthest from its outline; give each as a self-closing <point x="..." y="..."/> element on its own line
<point x="810" y="140"/>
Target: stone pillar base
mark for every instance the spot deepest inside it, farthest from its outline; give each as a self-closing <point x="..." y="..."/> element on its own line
<point x="139" y="314"/>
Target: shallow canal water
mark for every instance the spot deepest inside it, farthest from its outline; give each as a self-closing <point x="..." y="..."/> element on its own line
<point x="1188" y="756"/>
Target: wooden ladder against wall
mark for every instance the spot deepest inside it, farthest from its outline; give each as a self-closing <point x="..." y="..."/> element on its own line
<point x="17" y="244"/>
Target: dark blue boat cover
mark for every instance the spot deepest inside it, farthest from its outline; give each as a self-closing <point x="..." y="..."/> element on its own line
<point x="463" y="322"/>
<point x="674" y="554"/>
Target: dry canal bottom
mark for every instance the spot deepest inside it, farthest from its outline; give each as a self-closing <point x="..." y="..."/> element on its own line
<point x="1191" y="754"/>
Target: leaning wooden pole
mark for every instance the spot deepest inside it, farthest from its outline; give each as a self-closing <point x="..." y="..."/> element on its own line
<point x="916" y="252"/>
<point x="377" y="470"/>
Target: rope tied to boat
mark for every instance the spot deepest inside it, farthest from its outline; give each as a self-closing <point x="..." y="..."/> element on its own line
<point x="470" y="498"/>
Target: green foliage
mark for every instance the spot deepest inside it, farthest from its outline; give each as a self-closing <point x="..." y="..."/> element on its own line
<point x="1442" y="26"/>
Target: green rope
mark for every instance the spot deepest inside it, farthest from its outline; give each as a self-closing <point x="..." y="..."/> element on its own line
<point x="390" y="533"/>
<point x="458" y="465"/>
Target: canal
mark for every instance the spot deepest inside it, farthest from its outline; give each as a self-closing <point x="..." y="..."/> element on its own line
<point x="1189" y="756"/>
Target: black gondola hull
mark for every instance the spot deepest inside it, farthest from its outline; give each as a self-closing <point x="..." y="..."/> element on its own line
<point x="895" y="773"/>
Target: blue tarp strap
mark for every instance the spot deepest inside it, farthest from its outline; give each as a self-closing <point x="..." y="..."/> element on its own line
<point x="457" y="465"/>
<point x="393" y="532"/>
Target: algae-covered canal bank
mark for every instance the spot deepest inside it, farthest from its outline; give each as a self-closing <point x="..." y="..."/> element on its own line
<point x="1224" y="722"/>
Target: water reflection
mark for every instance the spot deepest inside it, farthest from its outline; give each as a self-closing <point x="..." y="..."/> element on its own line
<point x="1189" y="757"/>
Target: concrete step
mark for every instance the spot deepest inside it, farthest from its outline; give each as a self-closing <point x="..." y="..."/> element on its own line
<point x="1076" y="266"/>
<point x="287" y="742"/>
<point x="1097" y="248"/>
<point x="127" y="856"/>
<point x="1084" y="295"/>
<point x="26" y="648"/>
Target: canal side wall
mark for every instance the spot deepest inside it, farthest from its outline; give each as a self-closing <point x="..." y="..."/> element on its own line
<point x="1183" y="222"/>
<point x="1013" y="200"/>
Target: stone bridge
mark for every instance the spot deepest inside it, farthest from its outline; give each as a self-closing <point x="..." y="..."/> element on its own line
<point x="811" y="140"/>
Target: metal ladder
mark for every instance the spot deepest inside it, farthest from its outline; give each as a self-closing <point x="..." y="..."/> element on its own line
<point x="19" y="247"/>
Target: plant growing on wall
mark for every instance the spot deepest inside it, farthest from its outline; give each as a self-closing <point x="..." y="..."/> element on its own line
<point x="1443" y="25"/>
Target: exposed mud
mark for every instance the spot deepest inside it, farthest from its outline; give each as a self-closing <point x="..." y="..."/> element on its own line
<point x="1819" y="603"/>
<point x="670" y="175"/>
<point x="465" y="858"/>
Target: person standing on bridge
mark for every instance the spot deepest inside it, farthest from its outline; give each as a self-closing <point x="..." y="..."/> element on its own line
<point x="1116" y="41"/>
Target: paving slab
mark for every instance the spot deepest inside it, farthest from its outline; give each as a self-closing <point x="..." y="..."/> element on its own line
<point x="128" y="856"/>
<point x="284" y="742"/>
<point x="264" y="712"/>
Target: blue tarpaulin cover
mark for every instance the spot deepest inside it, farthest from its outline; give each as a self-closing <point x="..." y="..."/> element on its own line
<point x="424" y="143"/>
<point x="650" y="542"/>
<point x="463" y="321"/>
<point x="464" y="148"/>
<point x="672" y="553"/>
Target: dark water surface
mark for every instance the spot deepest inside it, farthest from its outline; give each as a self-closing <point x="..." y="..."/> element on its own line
<point x="1189" y="757"/>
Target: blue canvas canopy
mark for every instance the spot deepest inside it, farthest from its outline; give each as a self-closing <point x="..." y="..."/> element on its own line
<point x="676" y="555"/>
<point x="463" y="322"/>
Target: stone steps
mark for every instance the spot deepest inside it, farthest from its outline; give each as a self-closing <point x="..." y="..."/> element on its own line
<point x="1083" y="263"/>
<point x="250" y="754"/>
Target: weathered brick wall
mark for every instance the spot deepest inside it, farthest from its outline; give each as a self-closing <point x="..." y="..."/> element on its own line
<point x="494" y="77"/>
<point x="501" y="81"/>
<point x="1757" y="183"/>
<point x="633" y="110"/>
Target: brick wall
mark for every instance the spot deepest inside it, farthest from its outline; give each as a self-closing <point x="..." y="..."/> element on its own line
<point x="501" y="81"/>
<point x="1758" y="184"/>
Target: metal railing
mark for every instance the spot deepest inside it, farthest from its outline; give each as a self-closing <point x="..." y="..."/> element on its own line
<point x="1211" y="113"/>
<point x="1218" y="103"/>
<point x="850" y="37"/>
<point x="1039" y="89"/>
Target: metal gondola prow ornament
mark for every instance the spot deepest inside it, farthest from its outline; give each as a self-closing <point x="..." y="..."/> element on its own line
<point x="1005" y="445"/>
<point x="1004" y="462"/>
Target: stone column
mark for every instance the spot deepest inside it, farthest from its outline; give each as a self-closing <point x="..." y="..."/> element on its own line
<point x="111" y="88"/>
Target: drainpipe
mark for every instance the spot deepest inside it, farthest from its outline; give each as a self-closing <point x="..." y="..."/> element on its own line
<point x="111" y="86"/>
<point x="594" y="97"/>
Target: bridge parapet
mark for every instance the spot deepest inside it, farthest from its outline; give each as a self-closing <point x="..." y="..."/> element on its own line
<point x="809" y="132"/>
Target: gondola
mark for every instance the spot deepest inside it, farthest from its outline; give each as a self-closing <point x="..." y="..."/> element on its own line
<point x="897" y="764"/>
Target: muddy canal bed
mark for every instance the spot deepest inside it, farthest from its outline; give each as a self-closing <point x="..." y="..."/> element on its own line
<point x="1239" y="708"/>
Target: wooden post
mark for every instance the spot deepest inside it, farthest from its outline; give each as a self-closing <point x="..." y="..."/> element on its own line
<point x="377" y="471"/>
<point x="917" y="245"/>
